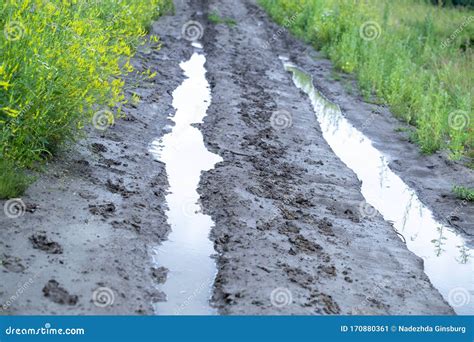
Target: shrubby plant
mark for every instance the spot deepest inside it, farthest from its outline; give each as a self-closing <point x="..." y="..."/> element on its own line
<point x="61" y="61"/>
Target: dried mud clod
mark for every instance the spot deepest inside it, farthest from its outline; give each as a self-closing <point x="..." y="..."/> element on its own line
<point x="57" y="294"/>
<point x="41" y="241"/>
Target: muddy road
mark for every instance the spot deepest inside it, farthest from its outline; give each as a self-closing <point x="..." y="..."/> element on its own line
<point x="281" y="209"/>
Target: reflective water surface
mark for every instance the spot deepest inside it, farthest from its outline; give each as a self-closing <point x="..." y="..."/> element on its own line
<point x="188" y="250"/>
<point x="447" y="259"/>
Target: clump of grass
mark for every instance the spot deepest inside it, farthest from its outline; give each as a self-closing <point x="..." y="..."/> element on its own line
<point x="215" y="18"/>
<point x="61" y="62"/>
<point x="13" y="181"/>
<point x="464" y="193"/>
<point x="414" y="56"/>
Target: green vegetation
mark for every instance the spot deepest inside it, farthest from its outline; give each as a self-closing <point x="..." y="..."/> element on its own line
<point x="464" y="193"/>
<point x="414" y="56"/>
<point x="215" y="18"/>
<point x="12" y="180"/>
<point x="62" y="62"/>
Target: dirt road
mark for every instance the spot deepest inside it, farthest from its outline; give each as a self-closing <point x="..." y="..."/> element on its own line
<point x="289" y="236"/>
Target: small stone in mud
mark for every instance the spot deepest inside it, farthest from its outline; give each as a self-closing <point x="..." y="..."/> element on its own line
<point x="329" y="270"/>
<point x="324" y="303"/>
<point x="130" y="118"/>
<point x="289" y="215"/>
<point x="82" y="162"/>
<point x="348" y="279"/>
<point x="325" y="227"/>
<point x="313" y="162"/>
<point x="87" y="195"/>
<point x="117" y="187"/>
<point x="97" y="148"/>
<point x="58" y="294"/>
<point x="126" y="224"/>
<point x="304" y="245"/>
<point x="42" y="242"/>
<point x="159" y="274"/>
<point x="31" y="207"/>
<point x="106" y="210"/>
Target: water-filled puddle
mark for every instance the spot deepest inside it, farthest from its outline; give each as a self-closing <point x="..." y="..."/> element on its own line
<point x="447" y="259"/>
<point x="188" y="250"/>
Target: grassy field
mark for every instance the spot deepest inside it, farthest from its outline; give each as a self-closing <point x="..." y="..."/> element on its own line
<point x="415" y="57"/>
<point x="61" y="68"/>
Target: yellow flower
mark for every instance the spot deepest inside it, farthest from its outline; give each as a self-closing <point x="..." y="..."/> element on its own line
<point x="10" y="112"/>
<point x="5" y="84"/>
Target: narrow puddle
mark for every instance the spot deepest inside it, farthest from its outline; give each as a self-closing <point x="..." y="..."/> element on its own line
<point x="188" y="250"/>
<point x="447" y="259"/>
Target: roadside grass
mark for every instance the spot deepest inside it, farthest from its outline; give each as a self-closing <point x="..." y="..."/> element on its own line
<point x="62" y="62"/>
<point x="215" y="18"/>
<point x="464" y="193"/>
<point x="414" y="56"/>
<point x="12" y="180"/>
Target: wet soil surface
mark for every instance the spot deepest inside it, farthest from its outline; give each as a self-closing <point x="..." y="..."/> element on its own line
<point x="289" y="236"/>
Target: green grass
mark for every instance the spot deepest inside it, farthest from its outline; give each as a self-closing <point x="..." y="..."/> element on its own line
<point x="215" y="18"/>
<point x="464" y="193"/>
<point x="61" y="64"/>
<point x="419" y="61"/>
<point x="13" y="181"/>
